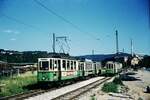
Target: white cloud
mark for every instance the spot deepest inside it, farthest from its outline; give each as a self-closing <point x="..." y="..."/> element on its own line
<point x="11" y="31"/>
<point x="8" y="31"/>
<point x="13" y="39"/>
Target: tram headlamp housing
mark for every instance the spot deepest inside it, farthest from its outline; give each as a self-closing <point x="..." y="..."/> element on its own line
<point x="43" y="78"/>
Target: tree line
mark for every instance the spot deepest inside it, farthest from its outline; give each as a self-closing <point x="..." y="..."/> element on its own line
<point x="23" y="57"/>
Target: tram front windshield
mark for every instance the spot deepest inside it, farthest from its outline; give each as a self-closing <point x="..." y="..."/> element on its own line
<point x="44" y="65"/>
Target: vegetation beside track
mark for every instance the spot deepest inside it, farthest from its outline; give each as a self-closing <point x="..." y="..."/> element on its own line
<point x="15" y="85"/>
<point x="112" y="86"/>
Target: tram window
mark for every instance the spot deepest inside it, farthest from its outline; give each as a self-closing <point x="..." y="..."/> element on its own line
<point x="111" y="66"/>
<point x="44" y="65"/>
<point x="51" y="64"/>
<point x="108" y="66"/>
<point x="79" y="66"/>
<point x="39" y="65"/>
<point x="59" y="65"/>
<point x="75" y="65"/>
<point x="82" y="66"/>
<point x="55" y="64"/>
<point x="71" y="65"/>
<point x="68" y="65"/>
<point x="64" y="64"/>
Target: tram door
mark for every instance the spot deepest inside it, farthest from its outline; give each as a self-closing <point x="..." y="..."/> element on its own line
<point x="59" y="70"/>
<point x="95" y="70"/>
<point x="82" y="68"/>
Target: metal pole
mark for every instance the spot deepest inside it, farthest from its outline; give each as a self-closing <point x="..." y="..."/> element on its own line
<point x="123" y="50"/>
<point x="117" y="47"/>
<point x="131" y="47"/>
<point x="53" y="42"/>
<point x="92" y="52"/>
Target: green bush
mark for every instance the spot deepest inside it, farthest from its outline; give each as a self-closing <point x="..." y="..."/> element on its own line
<point x="118" y="81"/>
<point x="110" y="87"/>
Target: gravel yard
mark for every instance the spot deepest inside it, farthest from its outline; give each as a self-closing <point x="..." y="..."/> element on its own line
<point x="135" y="90"/>
<point x="136" y="87"/>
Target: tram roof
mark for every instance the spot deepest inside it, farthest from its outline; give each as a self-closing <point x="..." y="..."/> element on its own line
<point x="62" y="56"/>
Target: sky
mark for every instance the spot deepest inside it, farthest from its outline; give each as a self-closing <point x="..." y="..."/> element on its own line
<point x="88" y="25"/>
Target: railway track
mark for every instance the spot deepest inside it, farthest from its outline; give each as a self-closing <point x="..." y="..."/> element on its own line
<point x="31" y="93"/>
<point x="67" y="96"/>
<point x="72" y="95"/>
<point x="24" y="95"/>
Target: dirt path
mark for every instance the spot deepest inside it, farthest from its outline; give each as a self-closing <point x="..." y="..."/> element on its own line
<point x="136" y="87"/>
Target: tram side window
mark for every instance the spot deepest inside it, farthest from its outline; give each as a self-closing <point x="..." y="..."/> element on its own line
<point x="95" y="66"/>
<point x="59" y="65"/>
<point x="55" y="64"/>
<point x="64" y="64"/>
<point x="82" y="66"/>
<point x="111" y="66"/>
<point x="75" y="65"/>
<point x="39" y="65"/>
<point x="79" y="66"/>
<point x="51" y="64"/>
<point x="44" y="65"/>
<point x="68" y="65"/>
<point x="71" y="65"/>
<point x="107" y="66"/>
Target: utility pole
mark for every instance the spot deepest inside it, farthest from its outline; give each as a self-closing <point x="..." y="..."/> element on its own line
<point x="117" y="46"/>
<point x="54" y="42"/>
<point x="132" y="47"/>
<point x="92" y="52"/>
<point x="123" y="50"/>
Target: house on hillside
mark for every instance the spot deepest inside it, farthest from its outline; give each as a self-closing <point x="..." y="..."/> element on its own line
<point x="135" y="60"/>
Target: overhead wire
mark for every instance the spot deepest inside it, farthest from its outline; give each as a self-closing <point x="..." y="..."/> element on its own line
<point x="19" y="21"/>
<point x="64" y="19"/>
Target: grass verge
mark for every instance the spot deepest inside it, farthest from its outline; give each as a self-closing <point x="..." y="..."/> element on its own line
<point x="16" y="85"/>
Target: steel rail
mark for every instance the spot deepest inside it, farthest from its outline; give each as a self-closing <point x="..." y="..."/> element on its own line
<point x="76" y="93"/>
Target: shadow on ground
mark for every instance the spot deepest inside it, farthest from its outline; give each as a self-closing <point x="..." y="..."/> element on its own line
<point x="130" y="73"/>
<point x="32" y="87"/>
<point x="125" y="77"/>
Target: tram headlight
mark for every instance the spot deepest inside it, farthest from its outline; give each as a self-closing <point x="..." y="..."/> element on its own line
<point x="43" y="78"/>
